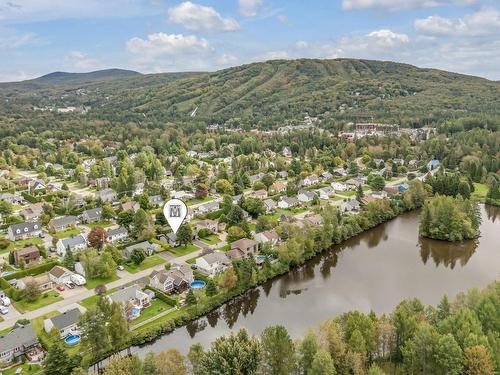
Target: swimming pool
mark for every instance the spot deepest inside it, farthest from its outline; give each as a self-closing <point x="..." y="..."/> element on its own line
<point x="198" y="284"/>
<point x="72" y="340"/>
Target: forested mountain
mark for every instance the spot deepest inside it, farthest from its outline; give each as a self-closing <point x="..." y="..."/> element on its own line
<point x="275" y="92"/>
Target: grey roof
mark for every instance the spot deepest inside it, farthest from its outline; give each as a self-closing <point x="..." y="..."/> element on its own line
<point x="63" y="220"/>
<point x="66" y="319"/>
<point x="125" y="294"/>
<point x="93" y="212"/>
<point x="307" y="193"/>
<point x="142" y="245"/>
<point x="217" y="256"/>
<point x="290" y="200"/>
<point x="115" y="231"/>
<point x="73" y="241"/>
<point x="32" y="227"/>
<point x="19" y="336"/>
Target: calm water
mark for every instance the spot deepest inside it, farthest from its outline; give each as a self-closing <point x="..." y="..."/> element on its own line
<point x="375" y="271"/>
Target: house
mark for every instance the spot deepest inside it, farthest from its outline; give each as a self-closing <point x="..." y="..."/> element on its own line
<point x="339" y="186"/>
<point x="288" y="202"/>
<point x="339" y="172"/>
<point x="206" y="208"/>
<point x="350" y="205"/>
<point x="379" y="194"/>
<point x="35" y="185"/>
<point x="378" y="162"/>
<point x="256" y="177"/>
<point x="66" y="323"/>
<point x="433" y="164"/>
<point x="326" y="192"/>
<point x="139" y="188"/>
<point x="61" y="223"/>
<point x="106" y="195"/>
<point x="278" y="187"/>
<point x="213" y="263"/>
<point x="25" y="230"/>
<point x="259" y="194"/>
<point x="315" y="220"/>
<point x="60" y="275"/>
<point x="132" y="299"/>
<point x="116" y="234"/>
<point x="177" y="279"/>
<point x="243" y="248"/>
<point x="269" y="236"/>
<point x="74" y="243"/>
<point x="32" y="212"/>
<point x="310" y="180"/>
<point x="148" y="248"/>
<point x="237" y="198"/>
<point x="326" y="176"/>
<point x="43" y="281"/>
<point x="22" y="340"/>
<point x="355" y="182"/>
<point x="92" y="215"/>
<point x="156" y="200"/>
<point x="305" y="196"/>
<point x="211" y="225"/>
<point x="130" y="206"/>
<point x="15" y="198"/>
<point x="270" y="205"/>
<point x="283" y="174"/>
<point x="27" y="255"/>
<point x="413" y="164"/>
<point x="287" y="153"/>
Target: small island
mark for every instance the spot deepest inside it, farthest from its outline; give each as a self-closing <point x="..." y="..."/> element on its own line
<point x="450" y="219"/>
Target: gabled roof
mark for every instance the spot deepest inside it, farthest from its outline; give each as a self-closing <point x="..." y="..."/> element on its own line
<point x="73" y="241"/>
<point x="66" y="319"/>
<point x="22" y="335"/>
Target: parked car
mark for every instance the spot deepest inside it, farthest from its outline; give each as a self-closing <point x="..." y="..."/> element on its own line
<point x="60" y="288"/>
<point x="69" y="285"/>
<point x="120" y="268"/>
<point x="4" y="310"/>
<point x="5" y="301"/>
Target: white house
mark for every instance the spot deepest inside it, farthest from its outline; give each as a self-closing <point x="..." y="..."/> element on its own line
<point x="339" y="186"/>
<point x="60" y="275"/>
<point x="116" y="234"/>
<point x="24" y="230"/>
<point x="213" y="263"/>
<point x="66" y="323"/>
<point x="288" y="202"/>
<point x="75" y="244"/>
<point x="305" y="196"/>
<point x="325" y="192"/>
<point x="269" y="236"/>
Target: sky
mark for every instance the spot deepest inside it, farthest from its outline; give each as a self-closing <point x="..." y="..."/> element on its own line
<point x="150" y="36"/>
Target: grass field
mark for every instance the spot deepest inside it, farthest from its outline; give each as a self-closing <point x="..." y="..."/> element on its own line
<point x="103" y="224"/>
<point x="22" y="243"/>
<point x="211" y="240"/>
<point x="198" y="201"/>
<point x="155" y="308"/>
<point x="480" y="190"/>
<point x="147" y="263"/>
<point x="184" y="249"/>
<point x="67" y="233"/>
<point x="92" y="283"/>
<point x="91" y="301"/>
<point x="28" y="369"/>
<point x="44" y="300"/>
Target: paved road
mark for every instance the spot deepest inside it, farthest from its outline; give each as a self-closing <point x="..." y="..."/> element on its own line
<point x="73" y="300"/>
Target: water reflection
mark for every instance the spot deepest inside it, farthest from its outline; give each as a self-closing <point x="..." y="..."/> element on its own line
<point x="493" y="213"/>
<point x="447" y="253"/>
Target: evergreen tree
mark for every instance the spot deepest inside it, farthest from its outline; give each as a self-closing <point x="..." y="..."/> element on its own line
<point x="322" y="364"/>
<point x="190" y="297"/>
<point x="57" y="361"/>
<point x="211" y="289"/>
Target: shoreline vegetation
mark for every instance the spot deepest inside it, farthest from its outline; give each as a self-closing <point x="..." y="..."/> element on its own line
<point x="301" y="246"/>
<point x="455" y="337"/>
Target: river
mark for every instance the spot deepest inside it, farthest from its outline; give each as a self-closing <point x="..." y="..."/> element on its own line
<point x="373" y="271"/>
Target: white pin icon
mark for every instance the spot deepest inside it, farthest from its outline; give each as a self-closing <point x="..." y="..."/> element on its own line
<point x="175" y="212"/>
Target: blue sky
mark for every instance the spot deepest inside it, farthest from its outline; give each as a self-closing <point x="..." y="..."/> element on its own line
<point x="41" y="36"/>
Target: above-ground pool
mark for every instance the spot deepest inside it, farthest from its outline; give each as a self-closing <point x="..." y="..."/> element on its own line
<point x="198" y="284"/>
<point x="72" y="340"/>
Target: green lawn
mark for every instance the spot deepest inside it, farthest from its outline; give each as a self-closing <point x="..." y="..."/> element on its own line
<point x="348" y="193"/>
<point x="44" y="300"/>
<point x="147" y="263"/>
<point x="155" y="308"/>
<point x="92" y="283"/>
<point x="198" y="201"/>
<point x="91" y="301"/>
<point x="184" y="249"/>
<point x="27" y="369"/>
<point x="480" y="190"/>
<point x="211" y="240"/>
<point x="67" y="233"/>
<point x="103" y="224"/>
<point x="272" y="217"/>
<point x="192" y="260"/>
<point x="293" y="210"/>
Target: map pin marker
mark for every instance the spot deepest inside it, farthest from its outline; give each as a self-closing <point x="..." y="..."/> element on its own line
<point x="175" y="212"/>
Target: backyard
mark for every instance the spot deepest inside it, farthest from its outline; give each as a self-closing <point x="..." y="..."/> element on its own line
<point x="45" y="299"/>
<point x="149" y="262"/>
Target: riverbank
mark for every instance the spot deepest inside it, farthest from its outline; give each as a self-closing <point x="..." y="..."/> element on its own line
<point x="319" y="240"/>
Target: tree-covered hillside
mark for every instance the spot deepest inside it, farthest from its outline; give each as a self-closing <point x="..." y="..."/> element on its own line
<point x="281" y="91"/>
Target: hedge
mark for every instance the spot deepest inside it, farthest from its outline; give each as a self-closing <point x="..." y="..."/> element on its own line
<point x="33" y="271"/>
<point x="163" y="296"/>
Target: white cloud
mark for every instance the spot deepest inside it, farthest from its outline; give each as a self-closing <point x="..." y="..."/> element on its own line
<point x="158" y="44"/>
<point x="197" y="17"/>
<point x="388" y="38"/>
<point x="401" y="4"/>
<point x="482" y="23"/>
<point x="11" y="39"/>
<point x="81" y="61"/>
<point x="250" y="8"/>
<point x="276" y="55"/>
<point x="227" y="59"/>
<point x="45" y="10"/>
